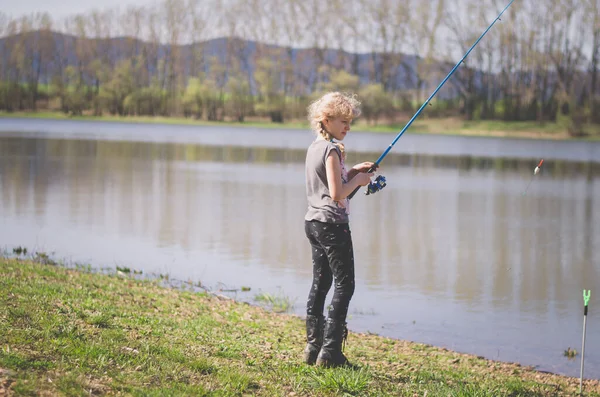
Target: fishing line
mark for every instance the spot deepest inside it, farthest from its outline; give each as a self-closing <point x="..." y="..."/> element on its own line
<point x="372" y="188"/>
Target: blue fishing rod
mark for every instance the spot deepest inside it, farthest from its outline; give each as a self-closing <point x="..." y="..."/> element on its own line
<point x="379" y="182"/>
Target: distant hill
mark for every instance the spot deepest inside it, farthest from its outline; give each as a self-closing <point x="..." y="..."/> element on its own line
<point x="50" y="51"/>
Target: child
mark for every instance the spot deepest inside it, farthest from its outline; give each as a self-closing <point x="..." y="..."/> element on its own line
<point x="328" y="184"/>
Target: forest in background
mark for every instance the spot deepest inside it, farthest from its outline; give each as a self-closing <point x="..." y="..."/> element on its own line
<point x="228" y="60"/>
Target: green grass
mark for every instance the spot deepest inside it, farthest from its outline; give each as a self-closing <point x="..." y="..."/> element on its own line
<point x="421" y="125"/>
<point x="490" y="128"/>
<point x="74" y="332"/>
<point x="277" y="303"/>
<point x="150" y="120"/>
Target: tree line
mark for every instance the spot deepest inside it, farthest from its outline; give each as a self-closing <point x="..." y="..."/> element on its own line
<point x="540" y="63"/>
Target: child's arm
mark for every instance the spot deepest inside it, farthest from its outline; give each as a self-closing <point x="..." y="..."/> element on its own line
<point x="362" y="167"/>
<point x="337" y="188"/>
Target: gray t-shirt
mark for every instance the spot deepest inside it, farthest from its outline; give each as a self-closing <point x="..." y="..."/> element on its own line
<point x="320" y="205"/>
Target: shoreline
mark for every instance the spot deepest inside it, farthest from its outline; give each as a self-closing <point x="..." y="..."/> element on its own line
<point x="441" y="126"/>
<point x="133" y="335"/>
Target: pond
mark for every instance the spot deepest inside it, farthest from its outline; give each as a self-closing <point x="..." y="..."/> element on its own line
<point x="455" y="251"/>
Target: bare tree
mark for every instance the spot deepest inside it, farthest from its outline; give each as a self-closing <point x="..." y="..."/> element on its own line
<point x="4" y="80"/>
<point x="101" y="60"/>
<point x="291" y="31"/>
<point x="592" y="8"/>
<point x="45" y="51"/>
<point x="302" y="26"/>
<point x="265" y="30"/>
<point x="19" y="61"/>
<point x="566" y="54"/>
<point x="175" y="19"/>
<point x="424" y="25"/>
<point x="465" y="23"/>
<point x="199" y="15"/>
<point x="4" y="19"/>
<point x="388" y="23"/>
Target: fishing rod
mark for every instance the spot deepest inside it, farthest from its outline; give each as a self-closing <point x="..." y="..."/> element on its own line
<point x="586" y="300"/>
<point x="379" y="183"/>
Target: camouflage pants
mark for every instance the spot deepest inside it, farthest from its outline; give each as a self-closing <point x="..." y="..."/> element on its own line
<point x="333" y="260"/>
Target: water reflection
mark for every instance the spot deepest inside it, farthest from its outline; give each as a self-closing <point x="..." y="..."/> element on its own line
<point x="451" y="243"/>
<point x="434" y="228"/>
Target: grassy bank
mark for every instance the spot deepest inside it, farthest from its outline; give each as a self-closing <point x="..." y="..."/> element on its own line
<point x="446" y="126"/>
<point x="72" y="332"/>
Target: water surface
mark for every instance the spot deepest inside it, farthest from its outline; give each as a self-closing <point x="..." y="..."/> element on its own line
<point x="450" y="253"/>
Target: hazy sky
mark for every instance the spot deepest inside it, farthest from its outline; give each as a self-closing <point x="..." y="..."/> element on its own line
<point x="59" y="9"/>
<point x="62" y="8"/>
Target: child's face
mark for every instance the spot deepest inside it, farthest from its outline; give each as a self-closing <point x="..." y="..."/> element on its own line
<point x="338" y="127"/>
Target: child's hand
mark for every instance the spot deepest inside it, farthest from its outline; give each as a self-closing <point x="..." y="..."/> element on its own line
<point x="364" y="167"/>
<point x="364" y="178"/>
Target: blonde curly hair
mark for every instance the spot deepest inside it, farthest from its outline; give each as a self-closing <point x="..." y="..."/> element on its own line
<point x="332" y="105"/>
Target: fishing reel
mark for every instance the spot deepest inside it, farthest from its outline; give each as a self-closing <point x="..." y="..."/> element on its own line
<point x="376" y="185"/>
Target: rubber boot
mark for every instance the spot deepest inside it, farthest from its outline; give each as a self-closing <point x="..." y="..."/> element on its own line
<point x="331" y="352"/>
<point x="314" y="338"/>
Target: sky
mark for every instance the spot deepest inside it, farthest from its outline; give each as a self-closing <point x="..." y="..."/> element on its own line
<point x="60" y="9"/>
<point x="63" y="8"/>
